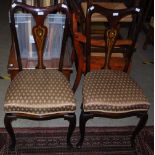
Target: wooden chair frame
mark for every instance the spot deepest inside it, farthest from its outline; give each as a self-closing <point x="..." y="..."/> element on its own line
<point x="110" y="42"/>
<point x="39" y="34"/>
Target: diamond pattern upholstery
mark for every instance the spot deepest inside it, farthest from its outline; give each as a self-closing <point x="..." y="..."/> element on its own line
<point x="39" y="92"/>
<point x="112" y="91"/>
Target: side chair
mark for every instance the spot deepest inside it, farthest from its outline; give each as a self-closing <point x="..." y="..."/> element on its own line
<point x="110" y="93"/>
<point x="40" y="93"/>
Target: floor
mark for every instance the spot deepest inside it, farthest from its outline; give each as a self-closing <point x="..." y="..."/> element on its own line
<point x="142" y="73"/>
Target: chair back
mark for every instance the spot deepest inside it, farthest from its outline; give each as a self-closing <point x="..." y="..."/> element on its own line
<point x="42" y="35"/>
<point x="112" y="38"/>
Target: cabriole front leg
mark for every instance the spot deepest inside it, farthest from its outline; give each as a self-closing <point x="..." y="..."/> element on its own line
<point x="141" y="124"/>
<point x="8" y="126"/>
<point x="72" y="124"/>
<point x="84" y="117"/>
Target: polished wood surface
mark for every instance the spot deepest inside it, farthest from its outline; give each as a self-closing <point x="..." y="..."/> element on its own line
<point x="109" y="5"/>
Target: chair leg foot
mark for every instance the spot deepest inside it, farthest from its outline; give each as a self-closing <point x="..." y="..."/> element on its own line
<point x="84" y="117"/>
<point x="72" y="124"/>
<point x="141" y="124"/>
<point x="8" y="126"/>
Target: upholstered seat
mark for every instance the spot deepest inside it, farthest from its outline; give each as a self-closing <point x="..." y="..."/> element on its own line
<point x="39" y="92"/>
<point x="112" y="91"/>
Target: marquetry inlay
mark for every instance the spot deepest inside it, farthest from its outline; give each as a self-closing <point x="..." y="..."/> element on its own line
<point x="111" y="38"/>
<point x="40" y="34"/>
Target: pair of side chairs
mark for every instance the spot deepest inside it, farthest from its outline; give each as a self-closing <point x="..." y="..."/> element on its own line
<point x="43" y="94"/>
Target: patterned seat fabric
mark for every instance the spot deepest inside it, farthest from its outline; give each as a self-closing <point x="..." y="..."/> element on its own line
<point x="112" y="91"/>
<point x="39" y="92"/>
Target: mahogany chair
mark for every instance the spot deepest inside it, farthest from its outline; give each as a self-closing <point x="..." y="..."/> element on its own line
<point x="39" y="94"/>
<point x="110" y="93"/>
